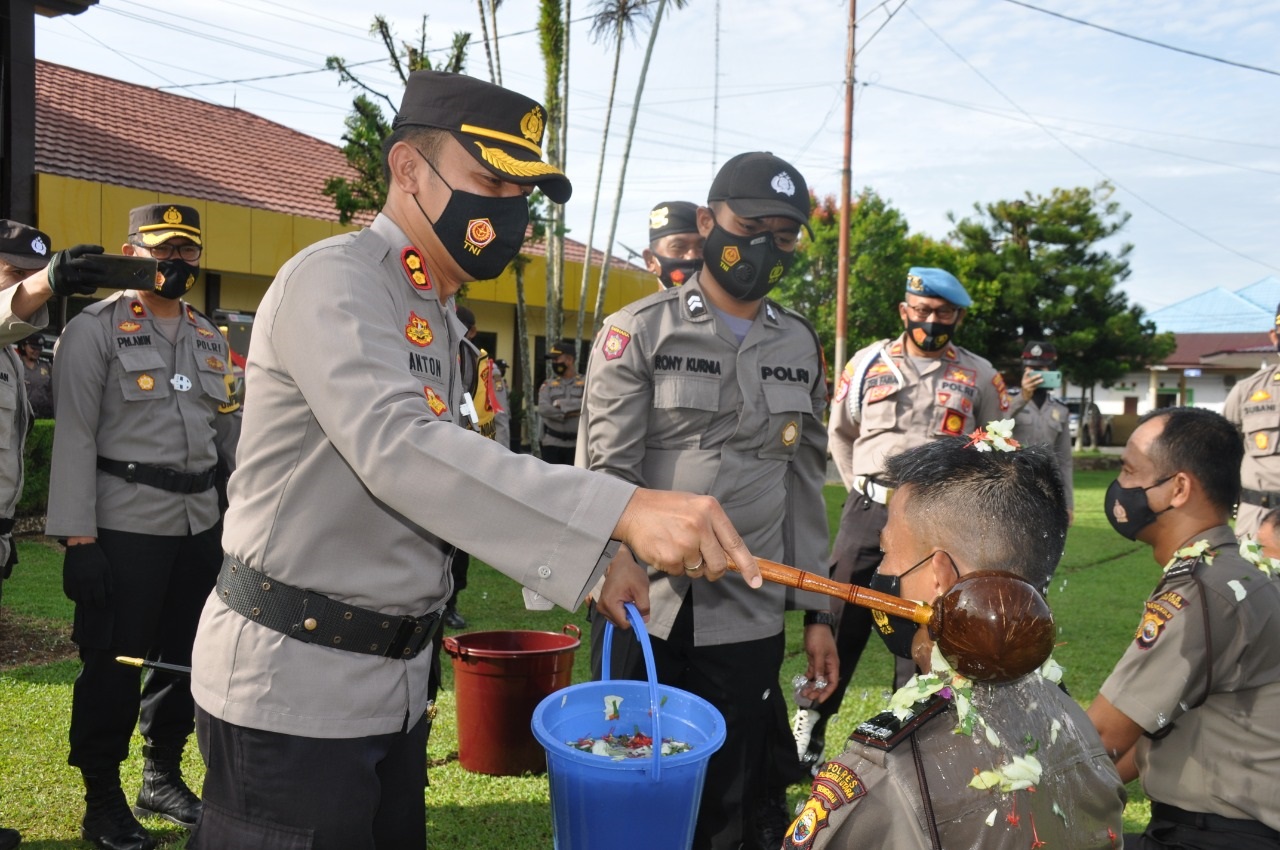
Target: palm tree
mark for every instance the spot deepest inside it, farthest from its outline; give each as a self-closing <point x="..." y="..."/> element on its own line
<point x="626" y="155"/>
<point x="484" y="35"/>
<point x="613" y="20"/>
<point x="551" y="40"/>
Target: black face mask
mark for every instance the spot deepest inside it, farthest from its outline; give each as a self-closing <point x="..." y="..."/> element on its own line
<point x="747" y="267"/>
<point x="559" y="368"/>
<point x="930" y="336"/>
<point x="896" y="632"/>
<point x="482" y="234"/>
<point x="675" y="271"/>
<point x="1128" y="510"/>
<point x="179" y="276"/>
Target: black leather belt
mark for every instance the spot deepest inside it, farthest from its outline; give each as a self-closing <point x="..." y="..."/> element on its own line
<point x="315" y="618"/>
<point x="1261" y="498"/>
<point x="559" y="435"/>
<point x="1211" y="823"/>
<point x="6" y="525"/>
<point x="159" y="476"/>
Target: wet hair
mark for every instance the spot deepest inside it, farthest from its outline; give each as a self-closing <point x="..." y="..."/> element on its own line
<point x="428" y="140"/>
<point x="1205" y="445"/>
<point x="1003" y="510"/>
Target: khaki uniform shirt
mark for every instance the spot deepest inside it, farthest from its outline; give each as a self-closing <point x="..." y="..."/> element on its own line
<point x="15" y="411"/>
<point x="872" y="797"/>
<point x="675" y="403"/>
<point x="356" y="481"/>
<point x="560" y="406"/>
<point x="1045" y="425"/>
<point x="1253" y="406"/>
<point x="903" y="401"/>
<point x="123" y="391"/>
<point x="1220" y="753"/>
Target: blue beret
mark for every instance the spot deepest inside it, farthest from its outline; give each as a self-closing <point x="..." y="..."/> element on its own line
<point x="936" y="283"/>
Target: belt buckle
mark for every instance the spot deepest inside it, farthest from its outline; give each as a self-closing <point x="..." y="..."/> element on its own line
<point x="411" y="636"/>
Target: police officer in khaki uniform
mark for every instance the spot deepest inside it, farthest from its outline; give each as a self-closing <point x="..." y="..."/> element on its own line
<point x="560" y="404"/>
<point x="906" y="782"/>
<point x="713" y="388"/>
<point x="354" y="483"/>
<point x="1253" y="406"/>
<point x="1040" y="419"/>
<point x="1193" y="706"/>
<point x="144" y="416"/>
<point x="892" y="395"/>
<point x="675" y="246"/>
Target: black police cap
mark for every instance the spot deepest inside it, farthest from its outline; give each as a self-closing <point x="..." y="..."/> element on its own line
<point x="670" y="217"/>
<point x="155" y="223"/>
<point x="22" y="246"/>
<point x="759" y="184"/>
<point x="564" y="346"/>
<point x="500" y="128"/>
<point x="1039" y="352"/>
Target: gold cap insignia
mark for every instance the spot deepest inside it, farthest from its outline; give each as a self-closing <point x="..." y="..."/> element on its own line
<point x="172" y="216"/>
<point x="531" y="125"/>
<point x="914" y="283"/>
<point x="659" y="218"/>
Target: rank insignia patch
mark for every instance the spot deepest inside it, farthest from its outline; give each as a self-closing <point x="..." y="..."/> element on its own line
<point x="694" y="304"/>
<point x="437" y="405"/>
<point x="136" y="308"/>
<point x="805" y="828"/>
<point x="128" y="326"/>
<point x="615" y="342"/>
<point x="895" y="349"/>
<point x="417" y="331"/>
<point x="146" y="383"/>
<point x="1260" y="395"/>
<point x="953" y="423"/>
<point x="961" y="375"/>
<point x="1275" y="377"/>
<point x="215" y="363"/>
<point x="191" y="313"/>
<point x="789" y="433"/>
<point x="415" y="268"/>
<point x="206" y="333"/>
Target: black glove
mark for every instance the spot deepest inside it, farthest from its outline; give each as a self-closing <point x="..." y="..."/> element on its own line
<point x="77" y="270"/>
<point x="86" y="575"/>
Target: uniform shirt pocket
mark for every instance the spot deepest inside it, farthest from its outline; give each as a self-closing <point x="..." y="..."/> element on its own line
<point x="879" y="415"/>
<point x="1261" y="431"/>
<point x="143" y="375"/>
<point x="683" y="407"/>
<point x="787" y="405"/>
<point x="8" y="411"/>
<point x="212" y="372"/>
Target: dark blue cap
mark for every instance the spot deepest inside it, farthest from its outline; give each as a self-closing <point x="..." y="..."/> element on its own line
<point x="937" y="283"/>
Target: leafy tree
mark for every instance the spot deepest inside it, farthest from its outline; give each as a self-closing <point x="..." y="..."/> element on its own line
<point x="367" y="125"/>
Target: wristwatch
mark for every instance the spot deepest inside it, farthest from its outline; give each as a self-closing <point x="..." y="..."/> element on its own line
<point x="820" y="618"/>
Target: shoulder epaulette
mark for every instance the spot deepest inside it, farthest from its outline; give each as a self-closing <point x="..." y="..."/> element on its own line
<point x="885" y="731"/>
<point x="1183" y="567"/>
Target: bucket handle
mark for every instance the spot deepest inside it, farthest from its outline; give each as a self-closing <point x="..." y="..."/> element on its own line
<point x="571" y="630"/>
<point x="642" y="635"/>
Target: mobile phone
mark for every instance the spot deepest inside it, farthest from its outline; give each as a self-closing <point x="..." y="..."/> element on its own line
<point x="1049" y="380"/>
<point x="123" y="272"/>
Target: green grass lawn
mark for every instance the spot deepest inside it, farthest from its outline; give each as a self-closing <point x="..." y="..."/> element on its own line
<point x="1097" y="599"/>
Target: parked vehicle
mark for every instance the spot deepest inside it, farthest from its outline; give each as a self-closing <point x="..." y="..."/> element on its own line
<point x="1096" y="427"/>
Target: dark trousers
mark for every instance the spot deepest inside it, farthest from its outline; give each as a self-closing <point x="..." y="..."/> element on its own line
<point x="271" y="791"/>
<point x="558" y="454"/>
<point x="855" y="556"/>
<point x="1172" y="828"/>
<point x="158" y="587"/>
<point x="737" y="679"/>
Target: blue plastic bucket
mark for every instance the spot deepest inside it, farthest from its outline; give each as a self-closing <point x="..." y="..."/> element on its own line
<point x="630" y="804"/>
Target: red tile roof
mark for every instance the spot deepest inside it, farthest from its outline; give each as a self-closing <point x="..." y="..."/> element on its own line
<point x="1193" y="347"/>
<point x="95" y="128"/>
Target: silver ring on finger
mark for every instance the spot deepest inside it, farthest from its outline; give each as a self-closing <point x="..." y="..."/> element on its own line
<point x="695" y="567"/>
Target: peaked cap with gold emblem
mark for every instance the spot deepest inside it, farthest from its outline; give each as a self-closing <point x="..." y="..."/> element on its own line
<point x="156" y="223"/>
<point x="500" y="128"/>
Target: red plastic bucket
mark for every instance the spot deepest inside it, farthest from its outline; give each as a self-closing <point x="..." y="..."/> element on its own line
<point x="499" y="679"/>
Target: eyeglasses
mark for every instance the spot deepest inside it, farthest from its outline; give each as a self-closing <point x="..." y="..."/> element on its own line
<point x="188" y="251"/>
<point x="922" y="312"/>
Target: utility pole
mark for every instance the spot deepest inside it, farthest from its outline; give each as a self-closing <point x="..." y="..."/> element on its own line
<point x="846" y="176"/>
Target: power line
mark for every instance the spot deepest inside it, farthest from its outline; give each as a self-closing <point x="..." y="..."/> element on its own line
<point x="268" y="77"/>
<point x="1152" y="42"/>
<point x="1082" y="157"/>
<point x="118" y="53"/>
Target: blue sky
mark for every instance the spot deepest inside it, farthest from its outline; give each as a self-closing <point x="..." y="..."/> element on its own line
<point x="959" y="102"/>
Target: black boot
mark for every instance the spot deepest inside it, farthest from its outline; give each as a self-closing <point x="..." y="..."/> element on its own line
<point x="163" y="792"/>
<point x="108" y="824"/>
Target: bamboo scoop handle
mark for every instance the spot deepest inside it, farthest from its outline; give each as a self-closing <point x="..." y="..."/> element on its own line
<point x="863" y="597"/>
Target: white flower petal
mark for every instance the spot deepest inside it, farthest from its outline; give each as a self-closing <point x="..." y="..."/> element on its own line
<point x="1238" y="589"/>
